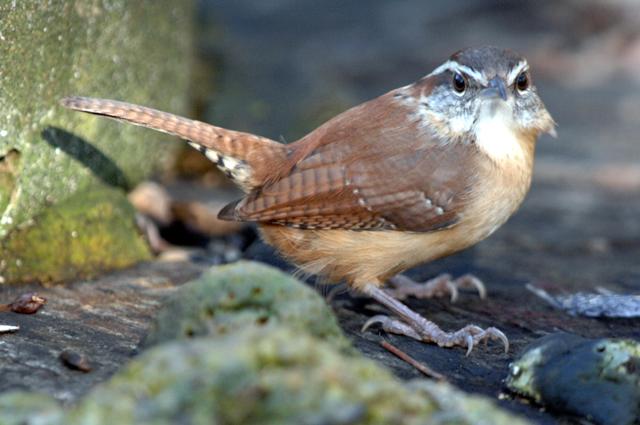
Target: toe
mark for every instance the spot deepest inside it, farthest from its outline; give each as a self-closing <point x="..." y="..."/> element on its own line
<point x="392" y="325"/>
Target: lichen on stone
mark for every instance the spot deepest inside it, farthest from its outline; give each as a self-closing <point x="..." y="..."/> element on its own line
<point x="135" y="51"/>
<point x="91" y="231"/>
<point x="24" y="408"/>
<point x="236" y="296"/>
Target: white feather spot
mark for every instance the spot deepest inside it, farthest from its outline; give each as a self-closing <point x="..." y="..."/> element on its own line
<point x="212" y="155"/>
<point x="231" y="163"/>
<point x="495" y="135"/>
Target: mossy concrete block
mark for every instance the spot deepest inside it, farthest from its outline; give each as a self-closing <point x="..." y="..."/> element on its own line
<point x="598" y="379"/>
<point x="136" y="51"/>
<point x="240" y="295"/>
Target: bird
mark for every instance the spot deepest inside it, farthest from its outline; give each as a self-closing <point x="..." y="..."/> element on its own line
<point x="418" y="173"/>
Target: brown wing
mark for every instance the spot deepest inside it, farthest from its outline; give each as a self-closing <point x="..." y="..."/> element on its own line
<point x="372" y="167"/>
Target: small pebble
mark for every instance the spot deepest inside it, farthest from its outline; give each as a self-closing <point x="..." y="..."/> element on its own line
<point x="28" y="303"/>
<point x="75" y="361"/>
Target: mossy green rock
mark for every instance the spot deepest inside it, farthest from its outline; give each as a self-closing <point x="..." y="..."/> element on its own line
<point x="240" y="295"/>
<point x="137" y="51"/>
<point x="92" y="231"/>
<point x="258" y="376"/>
<point x="253" y="376"/>
<point x="598" y="379"/>
<point x="22" y="408"/>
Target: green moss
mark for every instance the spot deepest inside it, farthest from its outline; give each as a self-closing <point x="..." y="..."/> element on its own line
<point x="132" y="50"/>
<point x="9" y="166"/>
<point x="253" y="376"/>
<point x="22" y="408"/>
<point x="89" y="232"/>
<point x="245" y="294"/>
<point x="272" y="376"/>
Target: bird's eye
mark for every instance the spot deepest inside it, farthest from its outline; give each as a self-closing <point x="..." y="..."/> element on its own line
<point x="459" y="83"/>
<point x="522" y="81"/>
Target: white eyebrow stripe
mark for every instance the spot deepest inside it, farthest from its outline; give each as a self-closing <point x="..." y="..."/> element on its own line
<point x="454" y="66"/>
<point x="521" y="66"/>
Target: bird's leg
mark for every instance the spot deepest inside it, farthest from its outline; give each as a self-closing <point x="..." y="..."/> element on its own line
<point x="403" y="286"/>
<point x="415" y="326"/>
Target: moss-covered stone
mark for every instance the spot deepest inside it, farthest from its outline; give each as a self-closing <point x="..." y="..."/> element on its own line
<point x="270" y="376"/>
<point x="23" y="408"/>
<point x="138" y="51"/>
<point x="252" y="376"/>
<point x="241" y="295"/>
<point x="93" y="230"/>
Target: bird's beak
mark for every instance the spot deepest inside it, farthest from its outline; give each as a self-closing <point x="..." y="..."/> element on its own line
<point x="495" y="89"/>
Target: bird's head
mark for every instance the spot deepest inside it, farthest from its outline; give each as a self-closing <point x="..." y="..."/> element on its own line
<point x="482" y="86"/>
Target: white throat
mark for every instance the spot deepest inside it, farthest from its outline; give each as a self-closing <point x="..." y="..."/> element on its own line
<point x="495" y="134"/>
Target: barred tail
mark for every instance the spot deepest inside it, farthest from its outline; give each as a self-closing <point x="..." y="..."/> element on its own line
<point x="243" y="157"/>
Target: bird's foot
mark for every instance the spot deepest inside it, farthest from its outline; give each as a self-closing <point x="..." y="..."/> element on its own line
<point x="427" y="331"/>
<point x="403" y="286"/>
<point x="415" y="326"/>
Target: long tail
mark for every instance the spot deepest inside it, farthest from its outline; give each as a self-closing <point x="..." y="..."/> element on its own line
<point x="243" y="157"/>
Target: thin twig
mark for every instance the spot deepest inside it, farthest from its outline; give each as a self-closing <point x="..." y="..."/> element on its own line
<point x="413" y="362"/>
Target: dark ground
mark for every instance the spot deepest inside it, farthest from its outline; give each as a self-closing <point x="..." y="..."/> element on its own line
<point x="286" y="65"/>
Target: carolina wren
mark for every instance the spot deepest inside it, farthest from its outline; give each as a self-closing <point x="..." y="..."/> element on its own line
<point x="416" y="174"/>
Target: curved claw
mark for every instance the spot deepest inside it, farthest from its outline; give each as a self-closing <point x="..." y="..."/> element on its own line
<point x="470" y="344"/>
<point x="497" y="334"/>
<point x="470" y="281"/>
<point x="484" y="335"/>
<point x="373" y="320"/>
<point x="453" y="289"/>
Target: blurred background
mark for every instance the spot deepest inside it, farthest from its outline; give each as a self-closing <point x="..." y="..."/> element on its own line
<point x="280" y="68"/>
